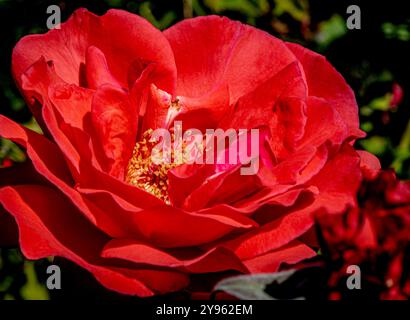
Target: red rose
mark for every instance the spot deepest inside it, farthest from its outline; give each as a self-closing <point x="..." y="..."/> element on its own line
<point x="374" y="235"/>
<point x="98" y="85"/>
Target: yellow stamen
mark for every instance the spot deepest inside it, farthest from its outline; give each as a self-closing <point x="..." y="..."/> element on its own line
<point x="143" y="173"/>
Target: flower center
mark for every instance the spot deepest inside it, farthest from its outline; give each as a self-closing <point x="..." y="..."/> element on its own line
<point x="144" y="173"/>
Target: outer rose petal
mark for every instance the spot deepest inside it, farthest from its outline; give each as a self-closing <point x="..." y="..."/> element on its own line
<point x="339" y="191"/>
<point x="370" y="164"/>
<point x="292" y="253"/>
<point x="269" y="199"/>
<point x="323" y="124"/>
<point x="123" y="38"/>
<point x="325" y="82"/>
<point x="69" y="102"/>
<point x="43" y="233"/>
<point x="272" y="235"/>
<point x="334" y="194"/>
<point x="53" y="168"/>
<point x="36" y="145"/>
<point x="189" y="260"/>
<point x="213" y="51"/>
<point x="11" y="176"/>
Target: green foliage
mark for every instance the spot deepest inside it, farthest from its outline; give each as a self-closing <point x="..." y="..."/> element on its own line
<point x="330" y="30"/>
<point x="18" y="278"/>
<point x="252" y="287"/>
<point x="376" y="145"/>
<point x="161" y="23"/>
<point x="297" y="9"/>
<point x="249" y="8"/>
<point x="11" y="151"/>
<point x="32" y="289"/>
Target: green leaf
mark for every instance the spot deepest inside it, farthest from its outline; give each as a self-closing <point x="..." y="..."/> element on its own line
<point x="33" y="125"/>
<point x="252" y="287"/>
<point x="163" y="23"/>
<point x="33" y="290"/>
<point x="376" y="145"/>
<point x="331" y="30"/>
<point x="402" y="152"/>
<point x="9" y="149"/>
<point x="297" y="9"/>
<point x="381" y="103"/>
<point x="246" y="7"/>
<point x="400" y="32"/>
<point x="366" y="126"/>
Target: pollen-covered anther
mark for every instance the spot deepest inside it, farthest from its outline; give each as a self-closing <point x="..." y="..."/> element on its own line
<point x="175" y="104"/>
<point x="145" y="173"/>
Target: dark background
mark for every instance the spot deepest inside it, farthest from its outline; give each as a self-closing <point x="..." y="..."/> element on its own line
<point x="374" y="60"/>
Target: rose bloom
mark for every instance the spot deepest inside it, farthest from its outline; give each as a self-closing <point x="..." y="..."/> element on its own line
<point x="374" y="235"/>
<point x="91" y="193"/>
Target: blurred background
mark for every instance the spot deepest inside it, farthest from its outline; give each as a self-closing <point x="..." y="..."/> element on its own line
<point x="374" y="60"/>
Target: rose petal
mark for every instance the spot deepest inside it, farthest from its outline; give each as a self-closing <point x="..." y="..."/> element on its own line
<point x="370" y="164"/>
<point x="292" y="253"/>
<point x="213" y="51"/>
<point x="43" y="234"/>
<point x="97" y="71"/>
<point x="122" y="36"/>
<point x="166" y="226"/>
<point x="115" y="122"/>
<point x="325" y="82"/>
<point x="189" y="260"/>
<point x="54" y="169"/>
